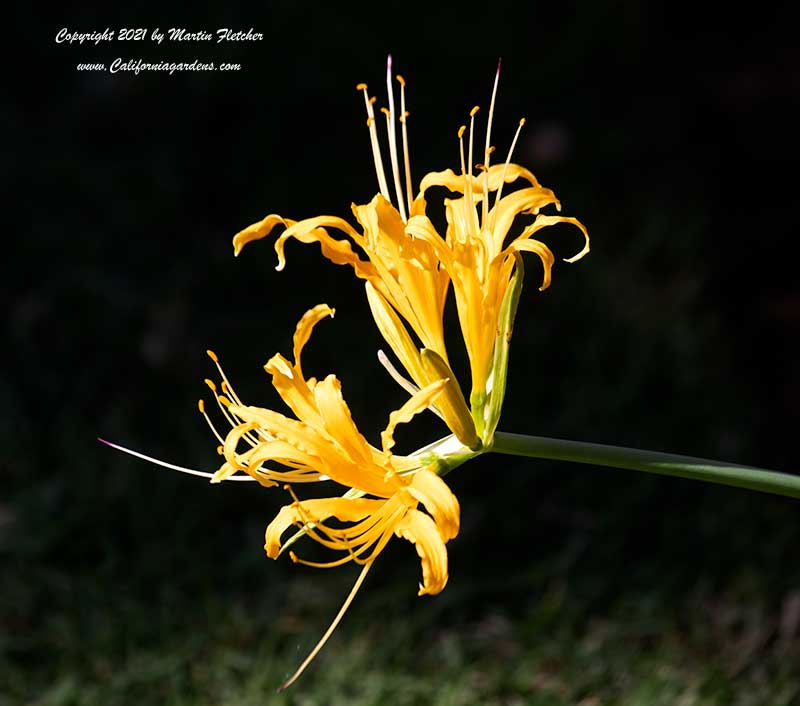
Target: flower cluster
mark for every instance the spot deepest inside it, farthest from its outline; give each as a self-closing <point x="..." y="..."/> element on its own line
<point x="408" y="268"/>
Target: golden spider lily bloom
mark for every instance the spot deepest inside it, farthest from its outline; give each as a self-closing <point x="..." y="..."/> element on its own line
<point x="386" y="494"/>
<point x="322" y="443"/>
<point x="409" y="266"/>
<point x="482" y="265"/>
<point x="401" y="272"/>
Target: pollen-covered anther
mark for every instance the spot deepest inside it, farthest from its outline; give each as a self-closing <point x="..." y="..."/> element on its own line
<point x="461" y="131"/>
<point x="212" y="355"/>
<point x="474" y="111"/>
<point x="361" y="87"/>
<point x="401" y="80"/>
<point x="224" y="400"/>
<point x="201" y="405"/>
<point x="210" y="384"/>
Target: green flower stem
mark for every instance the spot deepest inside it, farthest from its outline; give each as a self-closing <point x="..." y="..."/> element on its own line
<point x="649" y="462"/>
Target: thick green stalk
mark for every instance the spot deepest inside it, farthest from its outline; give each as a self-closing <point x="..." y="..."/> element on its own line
<point x="649" y="462"/>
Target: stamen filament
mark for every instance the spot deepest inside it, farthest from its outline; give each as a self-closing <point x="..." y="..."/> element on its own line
<point x="469" y="195"/>
<point x="202" y="407"/>
<point x="172" y="466"/>
<point x="232" y="420"/>
<point x="499" y="192"/>
<point x="403" y="121"/>
<point x="488" y="151"/>
<point x="393" y="142"/>
<point x="461" y="131"/>
<point x="329" y="631"/>
<point x="373" y="136"/>
<point x="405" y="383"/>
<point x="227" y="388"/>
<point x="319" y="564"/>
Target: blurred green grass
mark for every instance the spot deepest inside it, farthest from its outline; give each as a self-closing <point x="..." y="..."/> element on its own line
<point x="552" y="600"/>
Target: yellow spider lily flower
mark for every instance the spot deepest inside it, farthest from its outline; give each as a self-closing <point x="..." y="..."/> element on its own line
<point x="481" y="264"/>
<point x="403" y="273"/>
<point x="323" y="443"/>
<point x="409" y="266"/>
<point x="320" y="443"/>
<point x="388" y="494"/>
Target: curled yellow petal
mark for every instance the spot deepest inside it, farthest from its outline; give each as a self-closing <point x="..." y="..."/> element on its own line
<point x="258" y="230"/>
<point x="528" y="200"/>
<point x="439" y="501"/>
<point x="309" y="512"/>
<point x="541" y="250"/>
<point x="500" y="173"/>
<point x="231" y="443"/>
<point x="313" y="230"/>
<point x="293" y="389"/>
<point x="304" y="328"/>
<point x="292" y="431"/>
<point x="417" y="403"/>
<point x="543" y="221"/>
<point x="338" y="421"/>
<point x="419" y="529"/>
<point x="420" y="227"/>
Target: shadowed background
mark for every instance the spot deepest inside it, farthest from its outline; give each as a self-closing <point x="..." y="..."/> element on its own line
<point x="668" y="138"/>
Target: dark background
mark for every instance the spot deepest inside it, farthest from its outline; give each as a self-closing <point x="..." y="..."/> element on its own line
<point x="672" y="136"/>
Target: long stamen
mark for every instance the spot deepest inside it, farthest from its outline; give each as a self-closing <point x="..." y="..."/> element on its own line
<point x="253" y="437"/>
<point x="403" y="121"/>
<point x="470" y="202"/>
<point x="405" y="383"/>
<point x="393" y="142"/>
<point x="381" y="542"/>
<point x="319" y="564"/>
<point x="508" y="161"/>
<point x="329" y="631"/>
<point x="461" y="131"/>
<point x="172" y="466"/>
<point x="373" y="137"/>
<point x="202" y="407"/>
<point x="488" y="150"/>
<point x="227" y="388"/>
<point x="222" y="408"/>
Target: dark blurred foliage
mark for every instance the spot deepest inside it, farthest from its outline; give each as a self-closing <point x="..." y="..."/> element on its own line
<point x="672" y="137"/>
